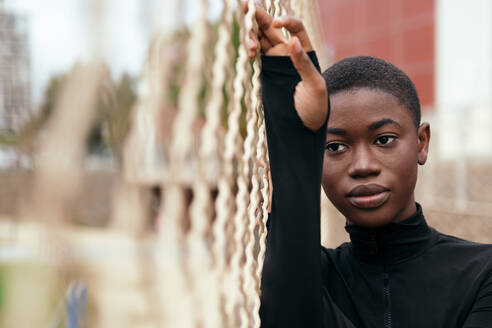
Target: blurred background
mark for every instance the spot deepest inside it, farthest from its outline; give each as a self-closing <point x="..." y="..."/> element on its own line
<point x="445" y="46"/>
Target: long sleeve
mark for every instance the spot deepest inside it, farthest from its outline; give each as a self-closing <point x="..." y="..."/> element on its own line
<point x="291" y="281"/>
<point x="353" y="286"/>
<point x="481" y="313"/>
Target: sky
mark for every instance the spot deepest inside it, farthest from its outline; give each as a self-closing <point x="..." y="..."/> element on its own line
<point x="60" y="30"/>
<point x="59" y="36"/>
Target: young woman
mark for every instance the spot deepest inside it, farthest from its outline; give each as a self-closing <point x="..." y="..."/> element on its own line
<point x="396" y="271"/>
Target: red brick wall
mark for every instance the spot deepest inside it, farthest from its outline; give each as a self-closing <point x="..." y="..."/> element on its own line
<point x="400" y="31"/>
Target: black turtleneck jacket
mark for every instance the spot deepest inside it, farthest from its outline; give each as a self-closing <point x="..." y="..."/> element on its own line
<point x="402" y="275"/>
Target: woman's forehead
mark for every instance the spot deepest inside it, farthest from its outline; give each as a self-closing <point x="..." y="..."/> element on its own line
<point x="364" y="106"/>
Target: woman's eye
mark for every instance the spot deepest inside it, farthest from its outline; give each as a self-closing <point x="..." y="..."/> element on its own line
<point x="384" y="140"/>
<point x="335" y="147"/>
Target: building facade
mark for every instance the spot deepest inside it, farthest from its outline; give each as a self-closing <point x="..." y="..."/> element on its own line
<point x="445" y="46"/>
<point x="15" y="86"/>
<point x="399" y="31"/>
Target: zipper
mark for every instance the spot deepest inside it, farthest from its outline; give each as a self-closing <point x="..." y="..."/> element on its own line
<point x="387" y="302"/>
<point x="373" y="248"/>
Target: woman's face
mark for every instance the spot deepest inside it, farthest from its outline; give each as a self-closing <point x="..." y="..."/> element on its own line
<point x="371" y="156"/>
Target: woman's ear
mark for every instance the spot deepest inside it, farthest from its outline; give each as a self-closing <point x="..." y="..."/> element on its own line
<point x="423" y="134"/>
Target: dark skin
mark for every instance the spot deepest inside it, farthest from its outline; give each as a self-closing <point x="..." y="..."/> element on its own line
<point x="372" y="152"/>
<point x="373" y="148"/>
<point x="310" y="96"/>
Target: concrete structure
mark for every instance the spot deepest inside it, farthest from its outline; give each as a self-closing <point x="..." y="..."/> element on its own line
<point x="464" y="78"/>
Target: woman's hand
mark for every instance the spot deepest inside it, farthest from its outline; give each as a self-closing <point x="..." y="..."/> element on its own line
<point x="310" y="96"/>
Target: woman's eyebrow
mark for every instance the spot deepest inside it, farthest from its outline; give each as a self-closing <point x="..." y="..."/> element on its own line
<point x="339" y="132"/>
<point x="384" y="121"/>
<point x="374" y="126"/>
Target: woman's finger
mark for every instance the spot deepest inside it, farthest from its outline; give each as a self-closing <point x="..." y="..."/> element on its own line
<point x="303" y="64"/>
<point x="265" y="21"/>
<point x="265" y="45"/>
<point x="296" y="28"/>
<point x="310" y="96"/>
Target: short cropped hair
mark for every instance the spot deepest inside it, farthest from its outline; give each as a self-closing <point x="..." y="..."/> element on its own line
<point x="374" y="73"/>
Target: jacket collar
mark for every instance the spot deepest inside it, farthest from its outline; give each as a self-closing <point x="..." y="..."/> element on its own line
<point x="393" y="243"/>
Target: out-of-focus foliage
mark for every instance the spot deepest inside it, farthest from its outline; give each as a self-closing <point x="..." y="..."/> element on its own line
<point x="118" y="117"/>
<point x="116" y="100"/>
<point x="179" y="40"/>
<point x="2" y="289"/>
<point x="21" y="277"/>
<point x="113" y="123"/>
<point x="25" y="139"/>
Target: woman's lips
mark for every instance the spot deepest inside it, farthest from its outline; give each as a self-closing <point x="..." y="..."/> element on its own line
<point x="368" y="196"/>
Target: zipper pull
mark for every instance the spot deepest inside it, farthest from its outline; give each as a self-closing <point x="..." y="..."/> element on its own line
<point x="386" y="278"/>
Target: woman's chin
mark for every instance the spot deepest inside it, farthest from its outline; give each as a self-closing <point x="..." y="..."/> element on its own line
<point x="372" y="218"/>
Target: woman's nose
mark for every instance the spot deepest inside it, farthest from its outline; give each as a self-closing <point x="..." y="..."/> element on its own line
<point x="364" y="163"/>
